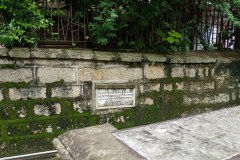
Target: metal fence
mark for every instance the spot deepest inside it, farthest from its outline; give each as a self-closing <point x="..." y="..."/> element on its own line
<point x="214" y="29"/>
<point x="68" y="29"/>
<point x="210" y="28"/>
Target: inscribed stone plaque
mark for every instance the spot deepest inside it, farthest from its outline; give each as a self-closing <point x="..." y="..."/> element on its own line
<point x="115" y="98"/>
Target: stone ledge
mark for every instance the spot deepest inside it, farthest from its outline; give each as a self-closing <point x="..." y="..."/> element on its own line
<point x="188" y="58"/>
<point x="19" y="53"/>
<point x="84" y="54"/>
<point x="96" y="143"/>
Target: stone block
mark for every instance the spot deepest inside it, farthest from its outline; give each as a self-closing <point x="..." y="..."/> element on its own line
<point x="16" y="75"/>
<point x="1" y="96"/>
<point x="48" y="53"/>
<point x="206" y="99"/>
<point x="154" y="58"/>
<point x="93" y="143"/>
<point x="200" y="72"/>
<point x="207" y="70"/>
<point x="191" y="72"/>
<point x="51" y="62"/>
<point x="6" y="62"/>
<point x="223" y="82"/>
<point x="67" y="91"/>
<point x="149" y="88"/>
<point x="3" y="52"/>
<point x="50" y="74"/>
<point x="154" y="72"/>
<point x="19" y="53"/>
<point x="62" y="53"/>
<point x="45" y="110"/>
<point x="105" y="56"/>
<point x="22" y="113"/>
<point x="175" y="59"/>
<point x="131" y="57"/>
<point x="114" y="73"/>
<point x="168" y="87"/>
<point x="213" y="72"/>
<point x="41" y="110"/>
<point x="180" y="86"/>
<point x="49" y="129"/>
<point x="80" y="54"/>
<point x="80" y="106"/>
<point x="25" y="93"/>
<point x="83" y="64"/>
<point x="190" y="58"/>
<point x="148" y="101"/>
<point x="177" y="72"/>
<point x="219" y="98"/>
<point x="234" y="96"/>
<point x="198" y="85"/>
<point x="199" y="59"/>
<point x="141" y="88"/>
<point x="57" y="108"/>
<point x="223" y="72"/>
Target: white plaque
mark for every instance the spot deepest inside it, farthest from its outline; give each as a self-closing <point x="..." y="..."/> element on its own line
<point x="115" y="98"/>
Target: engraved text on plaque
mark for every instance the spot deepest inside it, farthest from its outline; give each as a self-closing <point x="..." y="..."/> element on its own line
<point x="115" y="98"/>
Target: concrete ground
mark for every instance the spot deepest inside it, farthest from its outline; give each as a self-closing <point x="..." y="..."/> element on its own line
<point x="93" y="143"/>
<point x="210" y="136"/>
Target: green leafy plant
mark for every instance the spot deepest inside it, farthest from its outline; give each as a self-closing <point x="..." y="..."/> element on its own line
<point x="20" y="21"/>
<point x="104" y="25"/>
<point x="171" y="40"/>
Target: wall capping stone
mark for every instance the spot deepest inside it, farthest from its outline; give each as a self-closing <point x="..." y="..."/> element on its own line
<point x="84" y="54"/>
<point x="19" y="53"/>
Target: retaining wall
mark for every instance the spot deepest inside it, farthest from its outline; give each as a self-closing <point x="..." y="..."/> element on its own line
<point x="44" y="92"/>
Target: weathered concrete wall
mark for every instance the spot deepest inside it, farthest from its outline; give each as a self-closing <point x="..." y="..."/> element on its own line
<point x="44" y="92"/>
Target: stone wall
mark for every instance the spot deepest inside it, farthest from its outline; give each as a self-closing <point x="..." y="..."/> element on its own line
<point x="44" y="92"/>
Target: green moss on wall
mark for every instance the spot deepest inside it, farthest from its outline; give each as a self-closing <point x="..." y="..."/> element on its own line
<point x="9" y="66"/>
<point x="35" y="133"/>
<point x="19" y="145"/>
<point x="15" y="85"/>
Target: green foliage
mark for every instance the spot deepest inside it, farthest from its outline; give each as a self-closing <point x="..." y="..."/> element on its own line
<point x="230" y="9"/>
<point x="20" y="21"/>
<point x="104" y="26"/>
<point x="146" y="18"/>
<point x="131" y="24"/>
<point x="114" y="17"/>
<point x="171" y="40"/>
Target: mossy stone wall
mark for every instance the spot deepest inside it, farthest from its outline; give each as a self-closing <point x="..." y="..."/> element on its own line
<point x="45" y="92"/>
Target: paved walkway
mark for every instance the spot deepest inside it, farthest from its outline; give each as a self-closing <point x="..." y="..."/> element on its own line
<point x="210" y="136"/>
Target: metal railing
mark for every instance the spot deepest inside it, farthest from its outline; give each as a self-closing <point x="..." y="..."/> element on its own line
<point x="38" y="155"/>
<point x="71" y="19"/>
